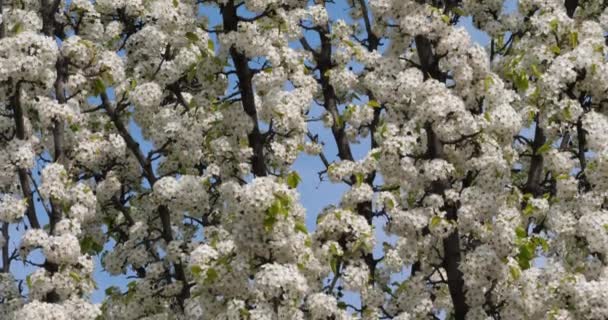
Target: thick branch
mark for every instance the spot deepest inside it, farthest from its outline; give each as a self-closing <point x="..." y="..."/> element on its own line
<point x="323" y="59"/>
<point x="535" y="175"/>
<point x="428" y="60"/>
<point x="148" y="172"/>
<point x="582" y="142"/>
<point x="571" y="7"/>
<point x="330" y="99"/>
<point x="245" y="75"/>
<point x="372" y="40"/>
<point x="451" y="244"/>
<point x="6" y="263"/>
<point x="23" y="173"/>
<point x="58" y="133"/>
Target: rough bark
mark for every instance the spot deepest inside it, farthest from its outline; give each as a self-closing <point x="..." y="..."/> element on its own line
<point x="245" y="75"/>
<point x="148" y="173"/>
<point x="451" y="245"/>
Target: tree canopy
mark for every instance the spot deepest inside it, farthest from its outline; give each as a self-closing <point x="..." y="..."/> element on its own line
<point x="159" y="137"/>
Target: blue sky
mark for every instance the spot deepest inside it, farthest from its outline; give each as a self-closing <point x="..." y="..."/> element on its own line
<point x="314" y="194"/>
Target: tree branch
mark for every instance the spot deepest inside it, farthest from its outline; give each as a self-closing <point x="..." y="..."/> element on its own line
<point x="451" y="244"/>
<point x="6" y="263"/>
<point x="148" y="172"/>
<point x="245" y="75"/>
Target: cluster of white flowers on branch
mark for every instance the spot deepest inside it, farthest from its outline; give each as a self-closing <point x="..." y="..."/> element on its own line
<point x="140" y="135"/>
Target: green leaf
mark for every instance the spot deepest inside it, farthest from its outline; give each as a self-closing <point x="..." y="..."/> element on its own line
<point x="90" y="246"/>
<point x="338" y="215"/>
<point x="339" y="122"/>
<point x="573" y="39"/>
<point x="358" y="244"/>
<point x="348" y="112"/>
<point x="308" y="242"/>
<point x="555" y="49"/>
<point x="285" y="201"/>
<point x="107" y="78"/>
<point x="333" y="250"/>
<point x="98" y="87"/>
<point x="192" y="36"/>
<point x="196" y="271"/>
<point x="521" y="81"/>
<point x="131" y="285"/>
<point x="567" y="113"/>
<point x="271" y="217"/>
<point x="486" y="115"/>
<point x="333" y="264"/>
<point x="211" y="276"/>
<point x="293" y="179"/>
<point x="544" y="148"/>
<point x="554" y="24"/>
<point x="75" y="276"/>
<point x="525" y="256"/>
<point x="175" y="3"/>
<point x="458" y="11"/>
<point x="515" y="272"/>
<point x="389" y="203"/>
<point x="301" y="227"/>
<point x="411" y="199"/>
<point x="17" y="28"/>
<point x="535" y="71"/>
<point x="538" y="241"/>
<point x="373" y="104"/>
<point x="275" y="208"/>
<point x="342" y="305"/>
<point x="28" y="281"/>
<point x="113" y="290"/>
<point x="376" y="155"/>
<point x="320" y="218"/>
<point x="211" y="45"/>
<point x="74" y="127"/>
<point x="269" y="222"/>
<point x="359" y="177"/>
<point x="521" y="233"/>
<point x="528" y="210"/>
<point x="191" y="74"/>
<point x="593" y="69"/>
<point x="435" y="220"/>
<point x="487" y="82"/>
<point x="402" y="287"/>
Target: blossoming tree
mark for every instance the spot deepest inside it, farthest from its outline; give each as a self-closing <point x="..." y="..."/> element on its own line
<point x="159" y="137"/>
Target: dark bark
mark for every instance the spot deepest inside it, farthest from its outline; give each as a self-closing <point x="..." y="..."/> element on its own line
<point x="582" y="144"/>
<point x="571" y="7"/>
<point x="428" y="60"/>
<point x="148" y="173"/>
<point x="2" y="30"/>
<point x="330" y="100"/>
<point x="6" y="264"/>
<point x="535" y="175"/>
<point x="23" y="173"/>
<point x="372" y="39"/>
<point x="323" y="59"/>
<point x="245" y="75"/>
<point x="451" y="244"/>
<point x="49" y="27"/>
